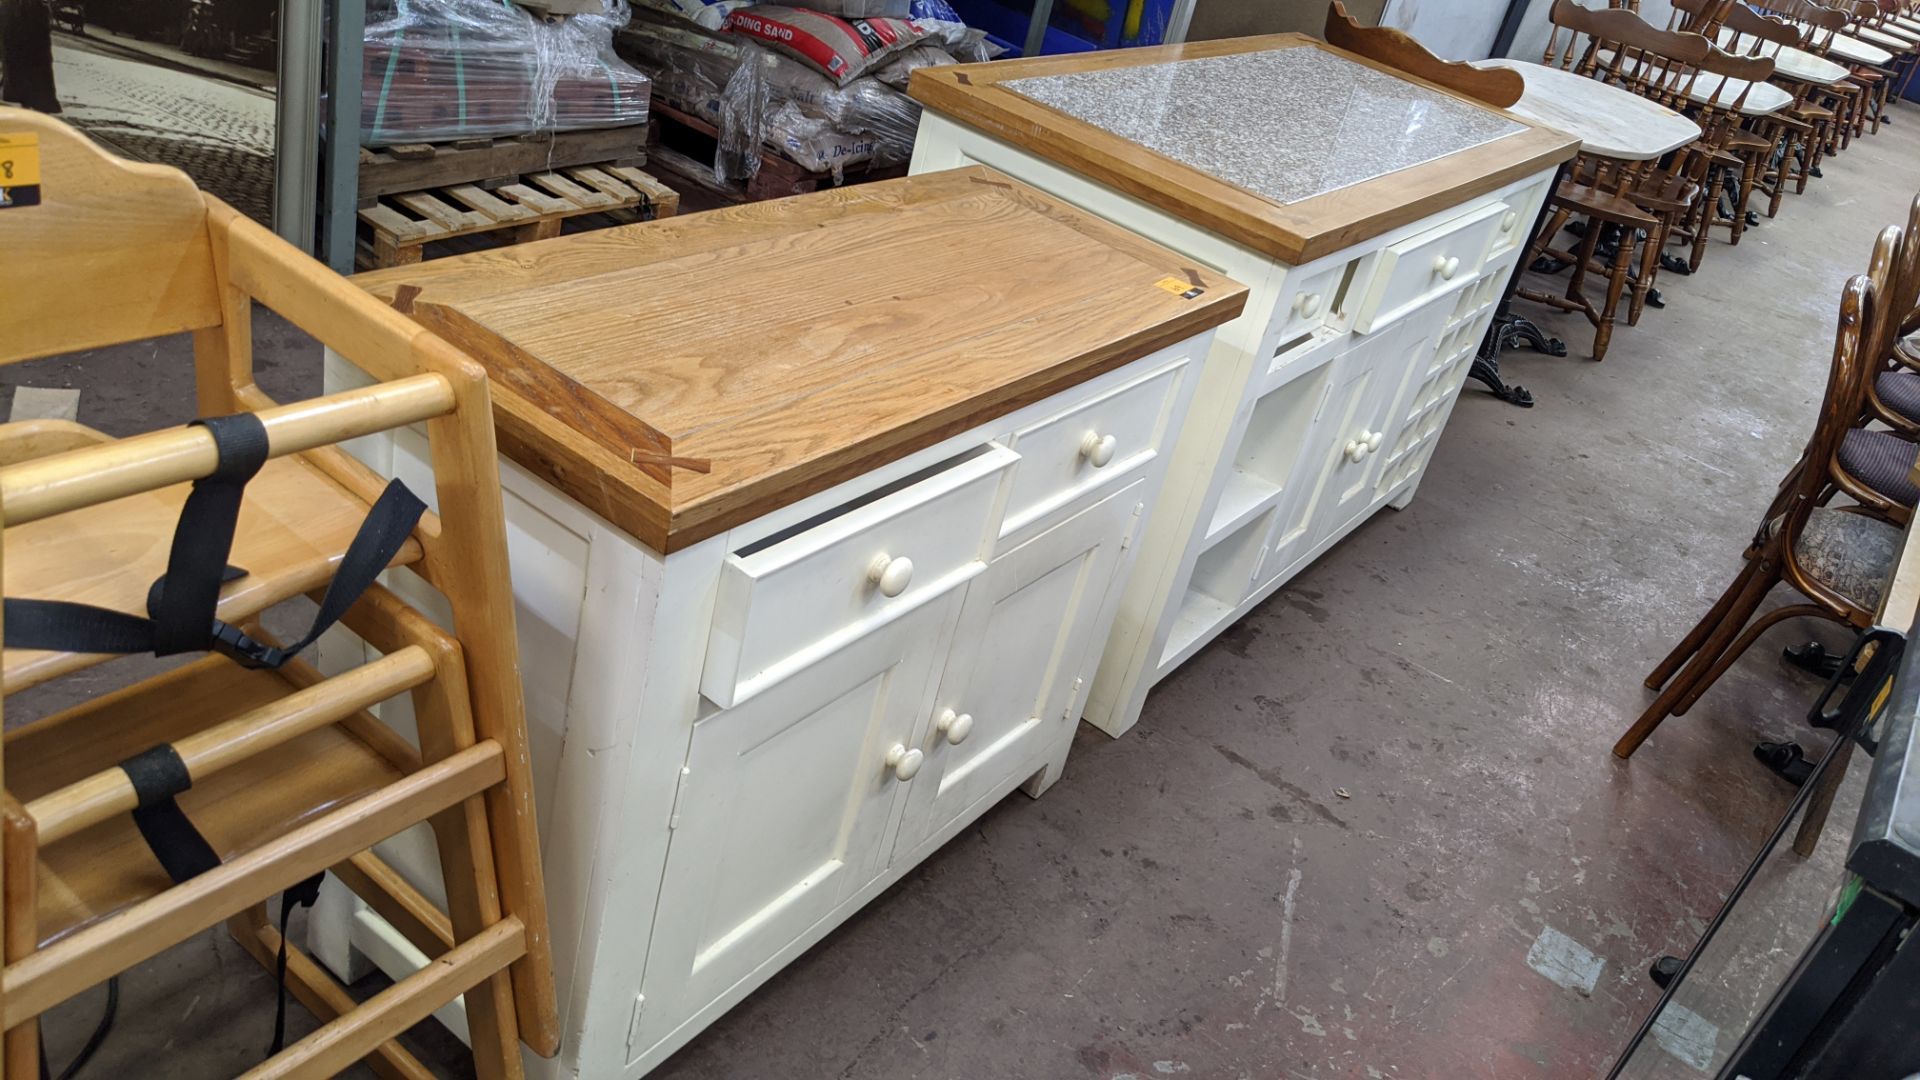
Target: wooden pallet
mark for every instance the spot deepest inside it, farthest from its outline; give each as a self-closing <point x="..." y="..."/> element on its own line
<point x="680" y="140"/>
<point x="393" y="170"/>
<point x="402" y="225"/>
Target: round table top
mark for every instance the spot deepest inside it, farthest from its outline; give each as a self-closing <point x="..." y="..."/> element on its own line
<point x="1608" y="121"/>
<point x="1792" y="62"/>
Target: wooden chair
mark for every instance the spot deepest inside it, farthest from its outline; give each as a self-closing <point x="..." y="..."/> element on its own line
<point x="1838" y="559"/>
<point x="1499" y="87"/>
<point x="1789" y="129"/>
<point x="1726" y="152"/>
<point x="1637" y="197"/>
<point x="286" y="773"/>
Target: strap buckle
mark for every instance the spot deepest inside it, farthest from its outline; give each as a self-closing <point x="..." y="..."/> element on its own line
<point x="230" y="642"/>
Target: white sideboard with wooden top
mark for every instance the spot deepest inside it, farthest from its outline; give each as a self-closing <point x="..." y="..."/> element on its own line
<point x="816" y="510"/>
<point x="1376" y="219"/>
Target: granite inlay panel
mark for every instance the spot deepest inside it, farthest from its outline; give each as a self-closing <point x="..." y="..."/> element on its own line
<point x="1286" y="124"/>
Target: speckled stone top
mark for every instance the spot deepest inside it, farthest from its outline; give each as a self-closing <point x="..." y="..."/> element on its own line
<point x="1287" y="124"/>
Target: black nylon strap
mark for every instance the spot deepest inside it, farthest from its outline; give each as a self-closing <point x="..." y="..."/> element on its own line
<point x="183" y="611"/>
<point x="299" y="894"/>
<point x="157" y="776"/>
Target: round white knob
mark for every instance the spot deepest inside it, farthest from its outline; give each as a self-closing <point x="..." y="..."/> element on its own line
<point x="905" y="763"/>
<point x="1445" y="267"/>
<point x="889" y="574"/>
<point x="955" y="726"/>
<point x="1307" y="304"/>
<point x="1508" y="220"/>
<point x="1374" y="440"/>
<point x="1097" y="448"/>
<point x="1356" y="449"/>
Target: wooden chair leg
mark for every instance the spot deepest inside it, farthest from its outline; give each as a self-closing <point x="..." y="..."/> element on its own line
<point x="1649" y="270"/>
<point x="1616" y="287"/>
<point x="1788" y="150"/>
<point x="1736" y="615"/>
<point x="1738" y="648"/>
<point x="1749" y="176"/>
<point x="1703" y="216"/>
<point x="1690" y="644"/>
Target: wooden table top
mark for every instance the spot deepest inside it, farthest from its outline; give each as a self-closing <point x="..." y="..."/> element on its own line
<point x="1295" y="157"/>
<point x="1608" y="121"/>
<point x="791" y="345"/>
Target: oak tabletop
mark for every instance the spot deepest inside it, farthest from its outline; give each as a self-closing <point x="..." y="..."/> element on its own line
<point x="1282" y="143"/>
<point x="783" y="347"/>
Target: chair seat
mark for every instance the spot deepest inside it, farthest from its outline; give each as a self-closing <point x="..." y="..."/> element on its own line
<point x="108" y="867"/>
<point x="295" y="524"/>
<point x="1594" y="203"/>
<point x="1883" y="461"/>
<point x="1741" y="141"/>
<point x="1664" y="191"/>
<point x="1900" y="391"/>
<point x="1811" y="112"/>
<point x="1852" y="554"/>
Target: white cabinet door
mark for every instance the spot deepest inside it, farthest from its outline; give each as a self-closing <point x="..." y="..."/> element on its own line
<point x="1353" y="430"/>
<point x="786" y="809"/>
<point x="1023" y="652"/>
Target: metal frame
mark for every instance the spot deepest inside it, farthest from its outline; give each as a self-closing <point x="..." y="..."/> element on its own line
<point x="339" y="166"/>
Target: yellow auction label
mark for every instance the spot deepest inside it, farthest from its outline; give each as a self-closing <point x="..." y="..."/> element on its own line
<point x="1180" y="288"/>
<point x="19" y="160"/>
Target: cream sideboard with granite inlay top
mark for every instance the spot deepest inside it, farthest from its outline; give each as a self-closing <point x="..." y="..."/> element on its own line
<point x="1376" y="220"/>
<point x="810" y="569"/>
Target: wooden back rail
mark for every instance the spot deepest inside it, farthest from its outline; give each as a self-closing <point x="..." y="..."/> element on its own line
<point x="86" y="477"/>
<point x="108" y="792"/>
<point x="1702" y="17"/>
<point x="126" y="251"/>
<point x="1499" y="87"/>
<point x="1624" y="50"/>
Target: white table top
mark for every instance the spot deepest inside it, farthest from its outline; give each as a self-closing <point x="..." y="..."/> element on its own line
<point x="1876" y="36"/>
<point x="1789" y="62"/>
<point x="1762" y="98"/>
<point x="1608" y="121"/>
<point x="1900" y="32"/>
<point x="1857" y="51"/>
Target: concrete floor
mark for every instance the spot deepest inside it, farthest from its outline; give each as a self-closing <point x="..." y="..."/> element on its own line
<point x="1340" y="832"/>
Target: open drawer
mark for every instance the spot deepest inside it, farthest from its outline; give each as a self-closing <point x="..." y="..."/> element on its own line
<point x="793" y="597"/>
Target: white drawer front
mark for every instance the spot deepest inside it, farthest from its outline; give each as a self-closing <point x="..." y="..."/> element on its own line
<point x="1090" y="444"/>
<point x="785" y="603"/>
<point x="1307" y="302"/>
<point x="1423" y="266"/>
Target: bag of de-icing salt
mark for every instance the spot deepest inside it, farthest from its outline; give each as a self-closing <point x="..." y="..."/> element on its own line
<point x="839" y="48"/>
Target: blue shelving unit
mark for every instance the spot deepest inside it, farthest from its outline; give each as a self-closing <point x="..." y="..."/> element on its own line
<point x="1072" y="25"/>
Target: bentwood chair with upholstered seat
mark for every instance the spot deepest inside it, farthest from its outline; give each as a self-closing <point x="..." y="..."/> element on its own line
<point x="1837" y="558"/>
<point x="140" y="818"/>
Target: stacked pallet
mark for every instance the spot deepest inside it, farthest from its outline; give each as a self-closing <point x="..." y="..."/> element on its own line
<point x="400" y="226"/>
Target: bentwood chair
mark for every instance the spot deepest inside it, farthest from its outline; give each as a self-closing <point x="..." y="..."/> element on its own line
<point x="138" y="819"/>
<point x="1837" y="558"/>
<point x="1498" y="87"/>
